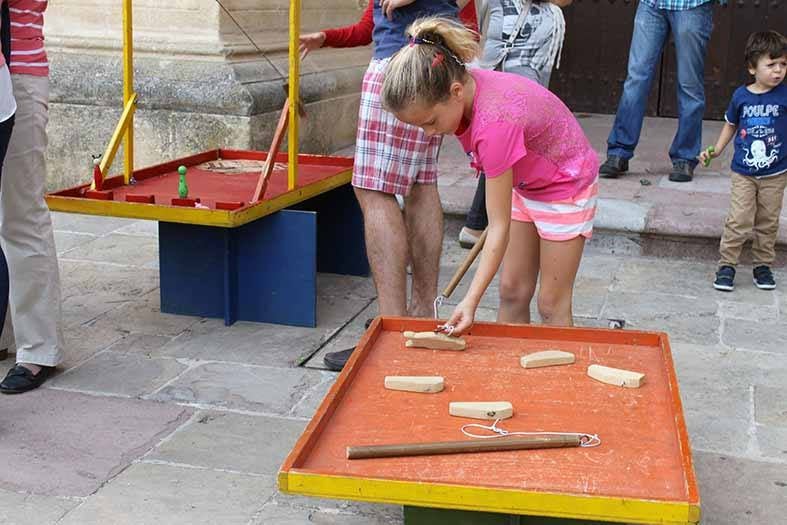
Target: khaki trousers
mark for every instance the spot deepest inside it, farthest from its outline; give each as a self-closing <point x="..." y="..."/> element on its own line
<point x="26" y="230"/>
<point x="755" y="205"/>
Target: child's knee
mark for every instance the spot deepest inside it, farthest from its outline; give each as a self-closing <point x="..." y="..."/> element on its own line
<point x="553" y="304"/>
<point x="515" y="291"/>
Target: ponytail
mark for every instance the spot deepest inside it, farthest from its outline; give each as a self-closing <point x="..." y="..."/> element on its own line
<point x="424" y="70"/>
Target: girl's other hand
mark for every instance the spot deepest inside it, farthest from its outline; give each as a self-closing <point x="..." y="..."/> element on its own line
<point x="462" y="318"/>
<point x="388" y="6"/>
<point x="310" y="42"/>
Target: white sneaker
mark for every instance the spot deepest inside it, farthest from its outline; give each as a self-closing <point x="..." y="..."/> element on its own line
<point x="467" y="239"/>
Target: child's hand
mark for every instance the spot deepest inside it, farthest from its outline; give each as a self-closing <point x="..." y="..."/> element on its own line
<point x="462" y="318"/>
<point x="707" y="155"/>
<point x="310" y="42"/>
<point x="388" y="6"/>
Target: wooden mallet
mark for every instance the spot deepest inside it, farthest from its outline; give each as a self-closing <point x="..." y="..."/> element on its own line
<point x="460" y="272"/>
<point x="278" y="136"/>
<point x="464" y="447"/>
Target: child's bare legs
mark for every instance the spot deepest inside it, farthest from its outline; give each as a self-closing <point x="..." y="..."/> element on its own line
<point x="559" y="265"/>
<point x="558" y="262"/>
<point x="519" y="274"/>
<point x="423" y="217"/>
<point x="386" y="248"/>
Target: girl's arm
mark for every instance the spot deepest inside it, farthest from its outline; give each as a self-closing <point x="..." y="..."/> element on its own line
<point x="359" y="34"/>
<point x="498" y="206"/>
<point x="726" y="135"/>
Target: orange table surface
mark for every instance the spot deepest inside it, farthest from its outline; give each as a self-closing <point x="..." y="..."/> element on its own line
<point x="644" y="455"/>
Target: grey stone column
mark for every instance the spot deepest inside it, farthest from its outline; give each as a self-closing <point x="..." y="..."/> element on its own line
<point x="201" y="83"/>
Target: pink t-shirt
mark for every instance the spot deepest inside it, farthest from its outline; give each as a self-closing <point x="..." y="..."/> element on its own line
<point x="519" y="124"/>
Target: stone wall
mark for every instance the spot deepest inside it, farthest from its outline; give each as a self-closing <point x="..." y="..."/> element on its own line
<point x="201" y="83"/>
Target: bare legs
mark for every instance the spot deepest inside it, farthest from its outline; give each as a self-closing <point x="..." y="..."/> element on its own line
<point x="557" y="261"/>
<point x="391" y="236"/>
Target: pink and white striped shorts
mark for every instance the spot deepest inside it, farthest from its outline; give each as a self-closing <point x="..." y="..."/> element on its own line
<point x="390" y="156"/>
<point x="559" y="220"/>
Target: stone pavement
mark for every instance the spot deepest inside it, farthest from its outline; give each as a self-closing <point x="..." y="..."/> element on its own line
<point x="157" y="418"/>
<point x="164" y="419"/>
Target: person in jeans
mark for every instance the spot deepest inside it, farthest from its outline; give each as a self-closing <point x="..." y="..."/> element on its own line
<point x="25" y="222"/>
<point x="533" y="52"/>
<point x="757" y="120"/>
<point x="691" y="23"/>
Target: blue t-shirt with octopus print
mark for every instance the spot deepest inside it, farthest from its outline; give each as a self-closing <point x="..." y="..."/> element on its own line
<point x="761" y="122"/>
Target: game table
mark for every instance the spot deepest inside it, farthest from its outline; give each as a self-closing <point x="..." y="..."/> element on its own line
<point x="641" y="473"/>
<point x="222" y="255"/>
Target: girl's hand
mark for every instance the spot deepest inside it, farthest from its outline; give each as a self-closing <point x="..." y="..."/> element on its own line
<point x="310" y="42"/>
<point x="462" y="318"/>
<point x="388" y="6"/>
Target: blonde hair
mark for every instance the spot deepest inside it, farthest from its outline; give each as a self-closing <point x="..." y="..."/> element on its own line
<point x="423" y="71"/>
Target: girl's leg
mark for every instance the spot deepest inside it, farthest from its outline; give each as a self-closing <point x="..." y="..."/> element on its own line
<point x="559" y="263"/>
<point x="520" y="273"/>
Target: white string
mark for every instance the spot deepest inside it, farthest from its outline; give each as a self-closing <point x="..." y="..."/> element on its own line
<point x="585" y="440"/>
<point x="447" y="328"/>
<point x="558" y="35"/>
<point x="438" y="302"/>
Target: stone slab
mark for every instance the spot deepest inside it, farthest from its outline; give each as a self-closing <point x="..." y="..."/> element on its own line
<point x="770" y="406"/>
<point x="312" y="400"/>
<point x="226" y="441"/>
<point x="772" y="443"/>
<point x="144" y="315"/>
<point x="67" y="241"/>
<point x="29" y="509"/>
<point x="120" y="374"/>
<point x="140" y="229"/>
<point x="61" y="443"/>
<point x="90" y="224"/>
<point x="735" y="491"/>
<point x="265" y="390"/>
<point x="623" y="215"/>
<point x="149" y="494"/>
<point x="760" y="337"/>
<point x="129" y="250"/>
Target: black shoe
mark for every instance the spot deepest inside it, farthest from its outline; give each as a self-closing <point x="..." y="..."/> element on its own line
<point x="19" y="379"/>
<point x="725" y="279"/>
<point x="613" y="167"/>
<point x="682" y="171"/>
<point x="335" y="361"/>
<point x="763" y="278"/>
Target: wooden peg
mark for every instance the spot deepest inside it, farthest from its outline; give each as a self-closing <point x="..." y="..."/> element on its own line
<point x="435" y="341"/>
<point x="547" y="358"/>
<point x="424" y="384"/>
<point x="616" y="376"/>
<point x="481" y="409"/>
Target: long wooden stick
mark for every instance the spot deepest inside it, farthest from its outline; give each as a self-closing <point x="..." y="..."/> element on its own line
<point x="270" y="160"/>
<point x="463" y="447"/>
<point x="466" y="264"/>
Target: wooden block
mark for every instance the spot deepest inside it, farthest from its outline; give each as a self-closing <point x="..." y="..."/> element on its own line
<point x="425" y="384"/>
<point x="142" y="199"/>
<point x="481" y="409"/>
<point x="435" y="341"/>
<point x="188" y="203"/>
<point x="221" y="205"/>
<point x="616" y="376"/>
<point x="547" y="358"/>
<point x="99" y="195"/>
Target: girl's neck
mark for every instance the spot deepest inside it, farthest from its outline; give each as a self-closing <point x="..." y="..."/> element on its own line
<point x="469" y="98"/>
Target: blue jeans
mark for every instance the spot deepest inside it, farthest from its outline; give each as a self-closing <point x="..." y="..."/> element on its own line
<point x="691" y="29"/>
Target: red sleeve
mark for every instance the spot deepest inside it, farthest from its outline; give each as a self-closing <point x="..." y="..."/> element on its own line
<point x="359" y="34"/>
<point x="468" y="17"/>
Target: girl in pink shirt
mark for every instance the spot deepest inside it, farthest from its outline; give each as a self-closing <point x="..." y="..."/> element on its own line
<point x="522" y="137"/>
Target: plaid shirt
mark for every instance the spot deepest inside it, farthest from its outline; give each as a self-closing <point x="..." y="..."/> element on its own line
<point x="678" y="5"/>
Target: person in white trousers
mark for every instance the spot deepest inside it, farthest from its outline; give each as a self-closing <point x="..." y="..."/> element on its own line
<point x="25" y="224"/>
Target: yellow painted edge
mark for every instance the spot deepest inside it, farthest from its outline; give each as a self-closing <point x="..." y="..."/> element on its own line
<point x="114" y="143"/>
<point x="293" y="94"/>
<point x="129" y="97"/>
<point x="487" y="499"/>
<point x="221" y="218"/>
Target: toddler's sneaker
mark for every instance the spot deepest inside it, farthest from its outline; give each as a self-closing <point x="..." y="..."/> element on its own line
<point x="763" y="278"/>
<point x="725" y="279"/>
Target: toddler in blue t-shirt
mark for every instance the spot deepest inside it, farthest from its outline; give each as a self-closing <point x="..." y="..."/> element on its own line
<point x="757" y="120"/>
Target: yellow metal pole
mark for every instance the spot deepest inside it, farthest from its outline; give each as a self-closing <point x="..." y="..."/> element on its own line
<point x="128" y="90"/>
<point x="292" y="136"/>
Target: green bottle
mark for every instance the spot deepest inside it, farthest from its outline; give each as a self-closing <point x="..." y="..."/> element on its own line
<point x="183" y="188"/>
